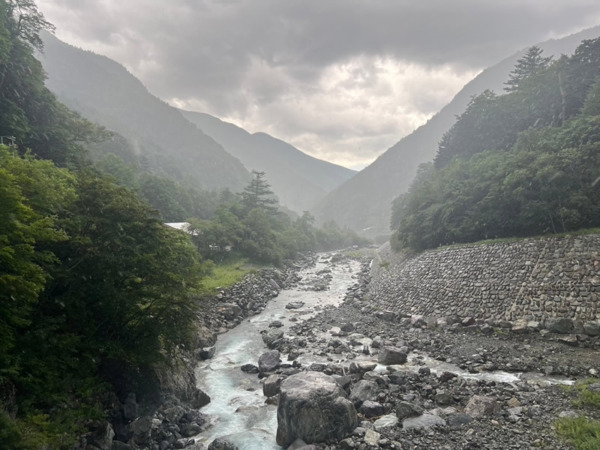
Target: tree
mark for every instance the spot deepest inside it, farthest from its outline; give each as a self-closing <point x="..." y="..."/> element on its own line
<point x="258" y="194"/>
<point x="532" y="63"/>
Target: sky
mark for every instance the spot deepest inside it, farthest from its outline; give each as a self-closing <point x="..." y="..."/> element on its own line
<point x="342" y="80"/>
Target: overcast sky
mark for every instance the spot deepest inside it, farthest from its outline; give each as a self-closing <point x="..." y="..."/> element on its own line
<point x="342" y="80"/>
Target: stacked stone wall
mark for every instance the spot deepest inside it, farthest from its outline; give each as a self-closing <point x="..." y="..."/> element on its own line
<point x="531" y="279"/>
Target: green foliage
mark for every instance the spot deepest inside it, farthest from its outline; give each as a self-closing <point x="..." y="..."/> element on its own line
<point x="511" y="165"/>
<point x="224" y="275"/>
<point x="529" y="65"/>
<point x="582" y="432"/>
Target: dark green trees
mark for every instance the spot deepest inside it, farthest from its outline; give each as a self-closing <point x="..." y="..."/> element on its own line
<point x="520" y="164"/>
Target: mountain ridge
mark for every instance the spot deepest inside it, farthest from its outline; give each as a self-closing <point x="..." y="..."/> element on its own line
<point x="364" y="202"/>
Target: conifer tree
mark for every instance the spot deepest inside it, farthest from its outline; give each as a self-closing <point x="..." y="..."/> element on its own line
<point x="530" y="64"/>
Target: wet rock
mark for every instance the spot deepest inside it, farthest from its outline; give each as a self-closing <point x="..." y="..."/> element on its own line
<point x="392" y="355"/>
<point x="348" y="327"/>
<point x="272" y="336"/>
<point x="141" y="428"/>
<point x="480" y="405"/>
<point x="199" y="399"/>
<point x="447" y="376"/>
<point x="207" y="352"/>
<point x="130" y="408"/>
<point x="269" y="361"/>
<point x="362" y="391"/>
<point x="294" y="305"/>
<point x="361" y="366"/>
<point x="423" y="421"/>
<point x="276" y="324"/>
<point x="444" y="398"/>
<point x="249" y="368"/>
<point x="570" y="339"/>
<point x="313" y="407"/>
<point x="222" y="443"/>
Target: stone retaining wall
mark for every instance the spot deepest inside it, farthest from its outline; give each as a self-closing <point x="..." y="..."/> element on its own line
<point x="530" y="279"/>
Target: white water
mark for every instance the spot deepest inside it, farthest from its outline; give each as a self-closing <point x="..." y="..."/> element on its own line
<point x="255" y="424"/>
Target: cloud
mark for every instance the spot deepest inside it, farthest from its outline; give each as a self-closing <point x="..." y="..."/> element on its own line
<point x="341" y="79"/>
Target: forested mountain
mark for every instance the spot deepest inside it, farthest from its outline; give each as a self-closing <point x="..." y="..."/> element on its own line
<point x="299" y="180"/>
<point x="523" y="163"/>
<point x="364" y="202"/>
<point x="167" y="144"/>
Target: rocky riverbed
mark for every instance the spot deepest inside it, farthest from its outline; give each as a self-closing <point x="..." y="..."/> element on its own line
<point x="464" y="385"/>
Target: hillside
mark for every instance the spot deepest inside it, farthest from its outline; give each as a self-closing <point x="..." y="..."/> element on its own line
<point x="299" y="180"/>
<point x="364" y="202"/>
<point x="105" y="92"/>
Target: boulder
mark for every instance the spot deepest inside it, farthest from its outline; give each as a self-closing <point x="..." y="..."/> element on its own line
<point x="362" y="391"/>
<point x="312" y="407"/>
<point x="391" y="355"/>
<point x="405" y="410"/>
<point x="249" y="368"/>
<point x="480" y="405"/>
<point x="222" y="444"/>
<point x="559" y="325"/>
<point x="294" y="305"/>
<point x="592" y="328"/>
<point x="272" y="336"/>
<point x="370" y="409"/>
<point x="269" y="361"/>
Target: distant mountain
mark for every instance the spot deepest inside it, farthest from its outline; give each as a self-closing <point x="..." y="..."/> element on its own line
<point x="299" y="180"/>
<point x="364" y="202"/>
<point x="105" y="92"/>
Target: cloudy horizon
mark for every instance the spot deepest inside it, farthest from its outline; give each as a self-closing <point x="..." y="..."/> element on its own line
<point x="341" y="80"/>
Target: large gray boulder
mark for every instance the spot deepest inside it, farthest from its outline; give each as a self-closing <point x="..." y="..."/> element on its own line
<point x="559" y="325"/>
<point x="313" y="407"/>
<point x="392" y="355"/>
<point x="269" y="361"/>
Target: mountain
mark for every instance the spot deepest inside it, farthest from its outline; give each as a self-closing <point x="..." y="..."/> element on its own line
<point x="299" y="180"/>
<point x="166" y="143"/>
<point x="363" y="203"/>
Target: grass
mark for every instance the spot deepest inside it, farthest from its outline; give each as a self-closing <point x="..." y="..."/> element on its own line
<point x="582" y="432"/>
<point x="225" y="275"/>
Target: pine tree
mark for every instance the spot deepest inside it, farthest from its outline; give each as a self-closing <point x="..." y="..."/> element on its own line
<point x="258" y="194"/>
<point x="530" y="64"/>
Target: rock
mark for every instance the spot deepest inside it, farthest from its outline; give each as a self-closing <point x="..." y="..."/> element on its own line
<point x="372" y="438"/>
<point x="425" y="371"/>
<point x="294" y="305"/>
<point x="335" y="331"/>
<point x="118" y="445"/>
<point x="513" y="403"/>
<point x="444" y="398"/>
<point x="457" y="420"/>
<point x="571" y="339"/>
<point x="392" y="355"/>
<point x="199" y="399"/>
<point x="370" y="409"/>
<point x="388" y="316"/>
<point x="467" y="322"/>
<point x="269" y="361"/>
<point x="486" y="329"/>
<point x="276" y="324"/>
<point x="207" y="352"/>
<point x="271" y="385"/>
<point x="386" y="422"/>
<point x="520" y="326"/>
<point x="362" y="391"/>
<point x="377" y="342"/>
<point x="560" y="325"/>
<point x="249" y="368"/>
<point x="348" y="327"/>
<point x="313" y="407"/>
<point x="130" y="408"/>
<point x="423" y="421"/>
<point x="222" y="443"/>
<point x="141" y="428"/>
<point x="417" y="321"/>
<point x="230" y="311"/>
<point x="447" y="376"/>
<point x="592" y="328"/>
<point x="480" y="405"/>
<point x="568" y="414"/>
<point x="271" y="336"/>
<point x="405" y="409"/>
<point x="361" y="366"/>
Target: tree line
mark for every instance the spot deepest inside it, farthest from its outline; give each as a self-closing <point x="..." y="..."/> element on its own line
<point x="523" y="163"/>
